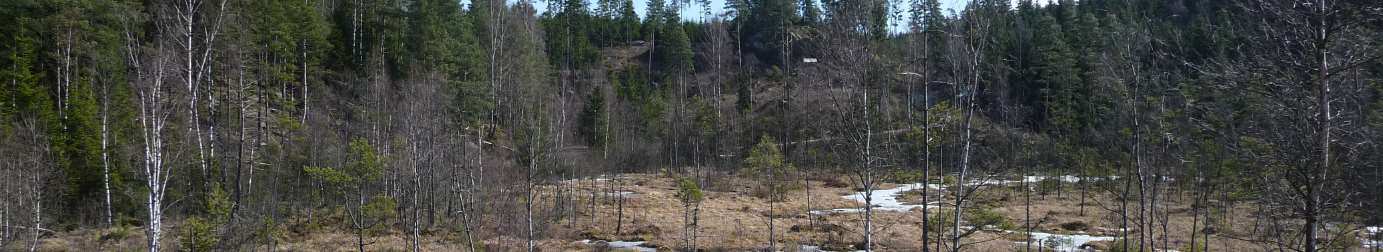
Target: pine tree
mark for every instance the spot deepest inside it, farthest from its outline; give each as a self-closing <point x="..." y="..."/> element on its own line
<point x="811" y="13"/>
<point x="353" y="184"/>
<point x="1056" y="75"/>
<point x="30" y="100"/>
<point x="675" y="53"/>
<point x="627" y="24"/>
<point x="767" y="25"/>
<point x="592" y="123"/>
<point x="77" y="144"/>
<point x="567" y="36"/>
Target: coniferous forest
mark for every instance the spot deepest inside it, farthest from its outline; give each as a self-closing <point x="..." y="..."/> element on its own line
<point x="773" y="125"/>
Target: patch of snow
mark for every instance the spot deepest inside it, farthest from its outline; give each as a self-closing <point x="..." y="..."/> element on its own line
<point x="886" y="200"/>
<point x="1032" y="179"/>
<point x="1371" y="237"/>
<point x="810" y="248"/>
<point x="634" y="245"/>
<point x="1066" y="179"/>
<point x="1063" y="242"/>
<point x="990" y="182"/>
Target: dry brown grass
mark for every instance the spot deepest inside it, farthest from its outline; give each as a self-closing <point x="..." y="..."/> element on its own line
<point x="733" y="220"/>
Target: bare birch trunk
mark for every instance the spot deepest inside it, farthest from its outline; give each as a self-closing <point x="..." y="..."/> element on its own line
<point x="152" y="121"/>
<point x="105" y="152"/>
<point x="38" y="211"/>
<point x="868" y="179"/>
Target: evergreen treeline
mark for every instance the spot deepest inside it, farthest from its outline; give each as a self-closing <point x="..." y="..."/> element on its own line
<point x="244" y="119"/>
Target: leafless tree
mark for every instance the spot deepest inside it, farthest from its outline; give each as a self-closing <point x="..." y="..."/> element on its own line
<point x="154" y="103"/>
<point x="525" y="109"/>
<point x="1127" y="45"/>
<point x="850" y="47"/>
<point x="969" y="42"/>
<point x="1298" y="53"/>
<point x="422" y="119"/>
<point x="194" y="32"/>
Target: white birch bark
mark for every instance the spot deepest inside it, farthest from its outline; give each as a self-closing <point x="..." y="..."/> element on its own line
<point x="38" y="211"/>
<point x="105" y="152"/>
<point x="153" y="117"/>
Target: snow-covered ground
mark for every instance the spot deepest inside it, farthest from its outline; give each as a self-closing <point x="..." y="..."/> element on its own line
<point x="886" y="200"/>
<point x="633" y="245"/>
<point x="1066" y="178"/>
<point x="1063" y="242"/>
<point x="1371" y="237"/>
<point x="1031" y="179"/>
<point x="810" y="248"/>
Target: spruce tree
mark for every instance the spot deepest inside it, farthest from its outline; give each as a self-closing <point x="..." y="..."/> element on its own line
<point x="1056" y="75"/>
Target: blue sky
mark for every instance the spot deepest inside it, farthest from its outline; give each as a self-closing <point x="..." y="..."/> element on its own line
<point x="717" y="7"/>
<point x="695" y="12"/>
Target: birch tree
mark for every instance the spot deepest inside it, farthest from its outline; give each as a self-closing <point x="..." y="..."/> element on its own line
<point x="852" y="35"/>
<point x="150" y="63"/>
<point x="193" y="31"/>
<point x="1298" y="56"/>
<point x="969" y="42"/>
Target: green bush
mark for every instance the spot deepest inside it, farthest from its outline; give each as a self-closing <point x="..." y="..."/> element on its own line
<point x="688" y="191"/>
<point x="1075" y="226"/>
<point x="980" y="217"/>
<point x="380" y="209"/>
<point x="1048" y="185"/>
<point x="766" y="161"/>
<point x="906" y="176"/>
<point x="270" y="230"/>
<point x="117" y="233"/>
<point x="1118" y="245"/>
<point x="941" y="221"/>
<point x="198" y="235"/>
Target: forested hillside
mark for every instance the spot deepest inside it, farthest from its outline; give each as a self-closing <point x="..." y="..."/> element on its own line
<point x="486" y="125"/>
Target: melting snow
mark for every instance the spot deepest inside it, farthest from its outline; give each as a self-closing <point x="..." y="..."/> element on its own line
<point x="1371" y="237"/>
<point x="1066" y="179"/>
<point x="634" y="245"/>
<point x="885" y="200"/>
<point x="1031" y="179"/>
<point x="1065" y="243"/>
<point x="810" y="248"/>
